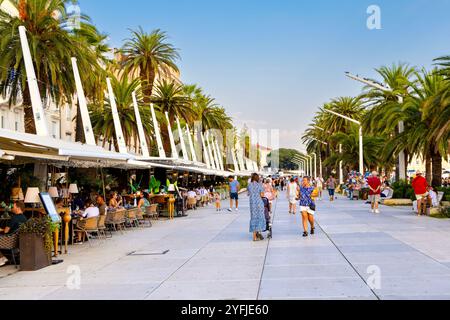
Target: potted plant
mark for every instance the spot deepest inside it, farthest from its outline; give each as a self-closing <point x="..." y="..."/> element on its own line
<point x="36" y="243"/>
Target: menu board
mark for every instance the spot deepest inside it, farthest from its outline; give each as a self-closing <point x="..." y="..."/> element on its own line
<point x="49" y="207"/>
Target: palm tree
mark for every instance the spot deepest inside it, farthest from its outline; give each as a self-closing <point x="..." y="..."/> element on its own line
<point x="430" y="130"/>
<point x="170" y="97"/>
<point x="102" y="118"/>
<point x="398" y="81"/>
<point x="350" y="154"/>
<point x="52" y="47"/>
<point x="148" y="55"/>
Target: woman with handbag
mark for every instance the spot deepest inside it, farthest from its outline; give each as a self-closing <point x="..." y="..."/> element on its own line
<point x="307" y="205"/>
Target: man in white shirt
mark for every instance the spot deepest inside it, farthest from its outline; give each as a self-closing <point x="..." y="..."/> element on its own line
<point x="91" y="210"/>
<point x="192" y="194"/>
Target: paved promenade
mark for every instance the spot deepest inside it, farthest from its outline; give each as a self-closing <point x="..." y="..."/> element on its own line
<point x="354" y="255"/>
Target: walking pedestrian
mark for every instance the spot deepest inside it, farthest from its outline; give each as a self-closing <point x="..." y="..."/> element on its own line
<point x="269" y="192"/>
<point x="319" y="186"/>
<point x="307" y="206"/>
<point x="420" y="186"/>
<point x="292" y="193"/>
<point x="331" y="186"/>
<point x="257" y="216"/>
<point x="375" y="184"/>
<point x="234" y="192"/>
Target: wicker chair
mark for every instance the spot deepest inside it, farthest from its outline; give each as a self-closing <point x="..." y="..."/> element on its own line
<point x="10" y="243"/>
<point x="88" y="227"/>
<point x="102" y="226"/>
<point x="192" y="203"/>
<point x="117" y="220"/>
<point x="151" y="212"/>
<point x="141" y="219"/>
<point x="131" y="218"/>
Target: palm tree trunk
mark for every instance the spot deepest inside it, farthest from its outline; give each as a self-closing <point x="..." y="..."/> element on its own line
<point x="428" y="169"/>
<point x="30" y="126"/>
<point x="436" y="159"/>
<point x="79" y="132"/>
<point x="147" y="84"/>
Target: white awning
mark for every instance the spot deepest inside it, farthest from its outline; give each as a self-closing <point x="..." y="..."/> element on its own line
<point x="32" y="146"/>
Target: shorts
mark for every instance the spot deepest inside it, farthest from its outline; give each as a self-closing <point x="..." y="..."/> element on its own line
<point x="421" y="196"/>
<point x="293" y="200"/>
<point x="375" y="198"/>
<point x="331" y="192"/>
<point x="307" y="209"/>
<point x="234" y="196"/>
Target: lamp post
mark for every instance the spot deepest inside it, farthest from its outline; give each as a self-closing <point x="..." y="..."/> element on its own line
<point x="401" y="125"/>
<point x="315" y="165"/>
<point x="341" y="169"/>
<point x="361" y="142"/>
<point x="301" y="159"/>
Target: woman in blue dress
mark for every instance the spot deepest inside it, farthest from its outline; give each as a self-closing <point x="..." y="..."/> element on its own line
<point x="307" y="206"/>
<point x="257" y="219"/>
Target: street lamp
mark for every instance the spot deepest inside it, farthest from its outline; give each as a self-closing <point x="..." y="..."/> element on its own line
<point x="401" y="124"/>
<point x="301" y="164"/>
<point x="304" y="158"/>
<point x="315" y="165"/>
<point x="361" y="142"/>
<point x="299" y="160"/>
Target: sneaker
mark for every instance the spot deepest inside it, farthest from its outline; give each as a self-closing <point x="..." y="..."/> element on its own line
<point x="3" y="261"/>
<point x="230" y="210"/>
<point x="237" y="209"/>
<point x="377" y="211"/>
<point x="372" y="211"/>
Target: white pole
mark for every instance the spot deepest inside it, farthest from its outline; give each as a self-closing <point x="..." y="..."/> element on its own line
<point x="235" y="163"/>
<point x="361" y="151"/>
<point x="401" y="156"/>
<point x="315" y="166"/>
<point x="87" y="126"/>
<point x="191" y="143"/>
<point x="341" y="170"/>
<point x="162" y="153"/>
<point x="36" y="101"/>
<point x="211" y="155"/>
<point x="205" y="152"/>
<point x="321" y="169"/>
<point x="219" y="152"/>
<point x="172" y="140"/>
<point x="183" y="145"/>
<point x="143" y="140"/>
<point x="115" y="113"/>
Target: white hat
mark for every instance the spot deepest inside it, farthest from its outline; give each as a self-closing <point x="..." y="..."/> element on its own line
<point x="419" y="172"/>
<point x="374" y="173"/>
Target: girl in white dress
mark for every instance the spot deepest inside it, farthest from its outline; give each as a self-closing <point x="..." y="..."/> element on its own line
<point x="292" y="192"/>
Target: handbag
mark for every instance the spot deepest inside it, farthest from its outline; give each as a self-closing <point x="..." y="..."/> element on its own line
<point x="312" y="206"/>
<point x="315" y="193"/>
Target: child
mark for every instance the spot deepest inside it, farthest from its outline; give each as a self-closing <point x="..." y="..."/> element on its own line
<point x="218" y="202"/>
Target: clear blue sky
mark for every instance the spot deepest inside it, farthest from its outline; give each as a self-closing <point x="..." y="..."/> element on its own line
<point x="273" y="63"/>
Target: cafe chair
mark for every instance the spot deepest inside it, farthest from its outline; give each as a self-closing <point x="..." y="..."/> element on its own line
<point x="141" y="219"/>
<point x="151" y="212"/>
<point x="10" y="243"/>
<point x="88" y="227"/>
<point x="131" y="218"/>
<point x="117" y="220"/>
<point x="102" y="227"/>
<point x="192" y="203"/>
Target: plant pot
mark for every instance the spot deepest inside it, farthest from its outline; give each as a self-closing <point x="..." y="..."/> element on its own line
<point x="33" y="255"/>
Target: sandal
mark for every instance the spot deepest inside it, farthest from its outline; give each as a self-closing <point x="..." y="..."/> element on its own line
<point x="305" y="234"/>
